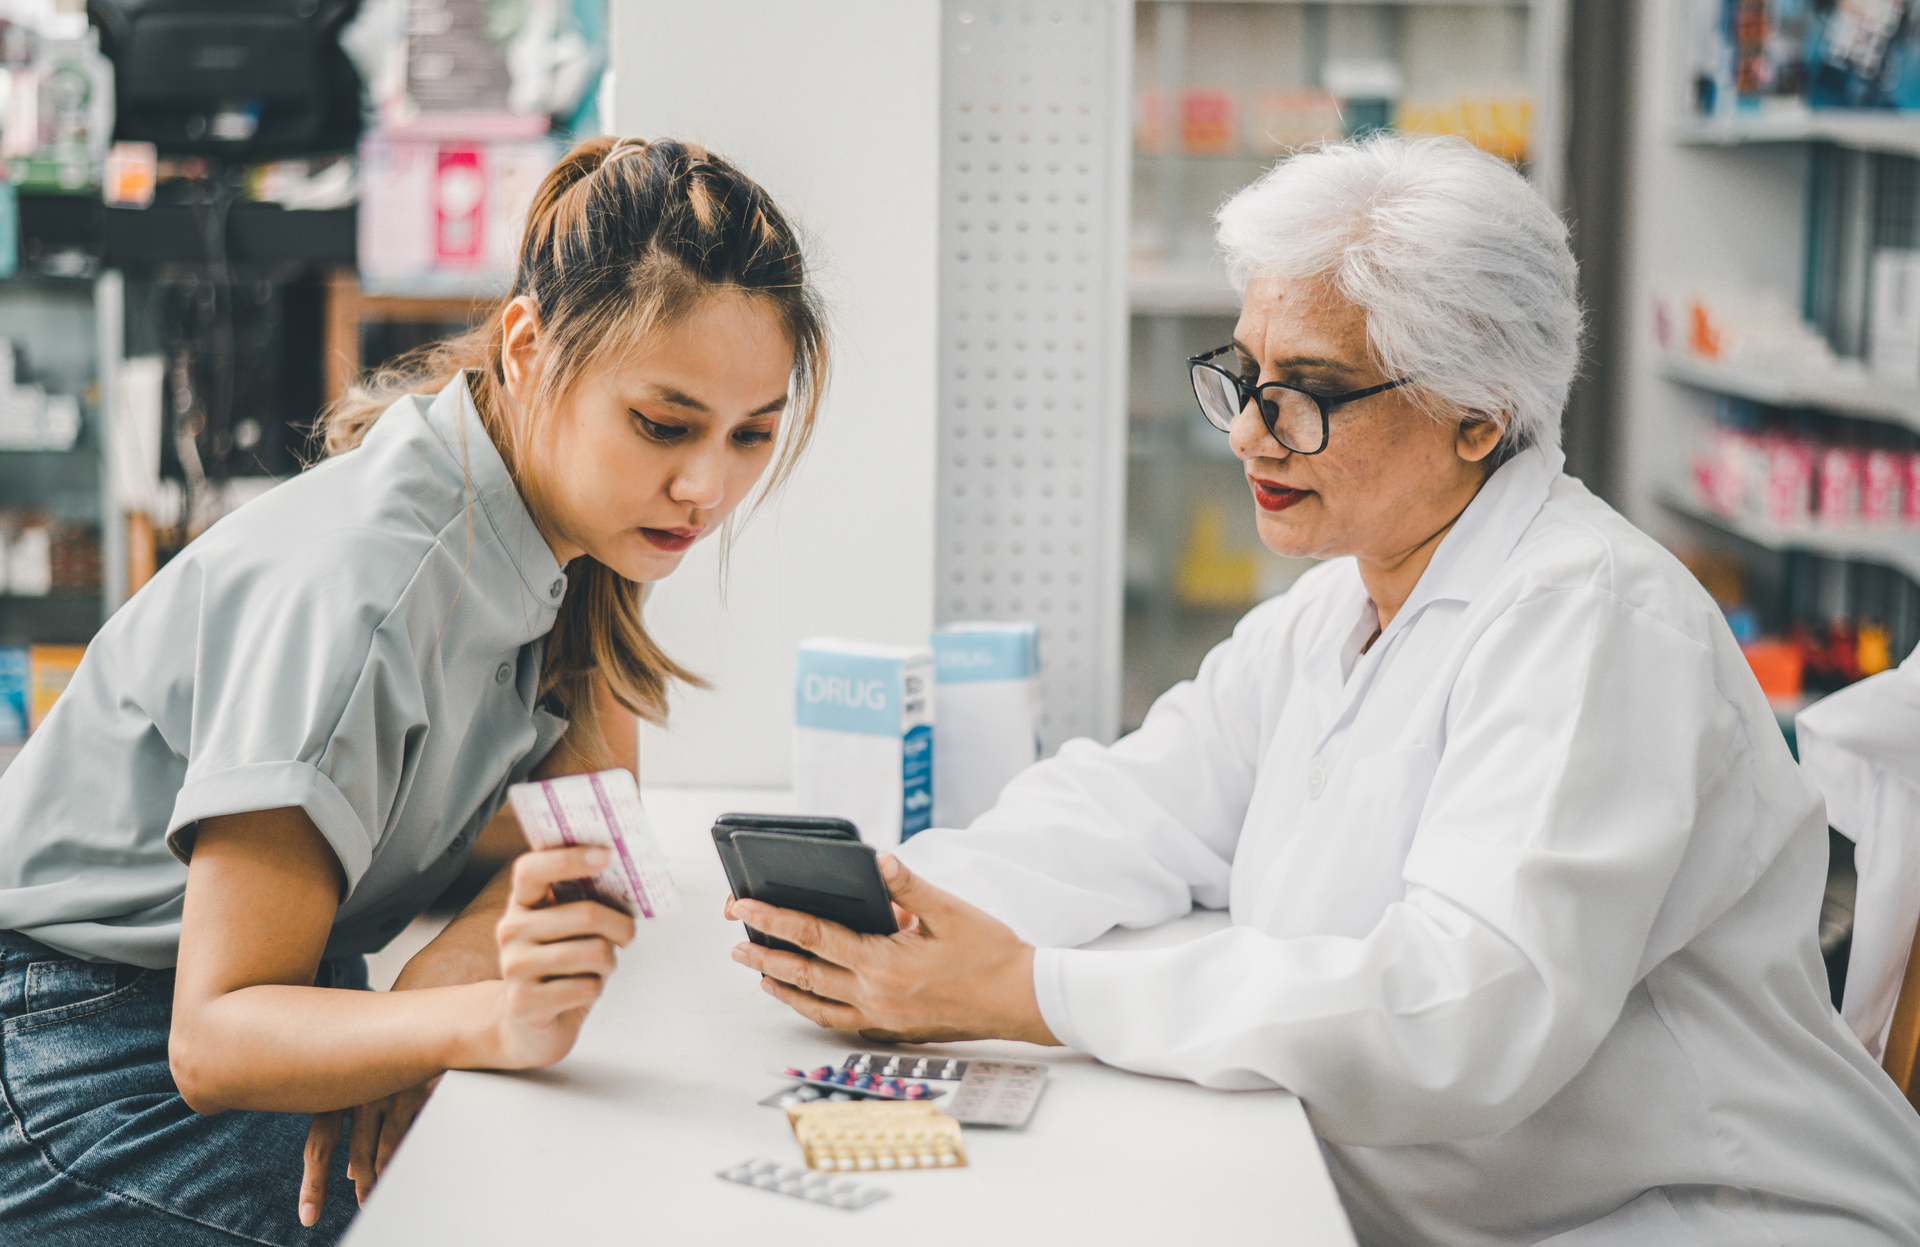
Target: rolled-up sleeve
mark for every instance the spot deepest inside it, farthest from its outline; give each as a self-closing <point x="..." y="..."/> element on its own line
<point x="296" y="703"/>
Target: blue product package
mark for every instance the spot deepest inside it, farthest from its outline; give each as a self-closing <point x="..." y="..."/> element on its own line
<point x="989" y="688"/>
<point x="13" y="694"/>
<point x="863" y="737"/>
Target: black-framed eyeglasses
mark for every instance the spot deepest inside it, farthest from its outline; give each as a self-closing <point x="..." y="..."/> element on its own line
<point x="1300" y="420"/>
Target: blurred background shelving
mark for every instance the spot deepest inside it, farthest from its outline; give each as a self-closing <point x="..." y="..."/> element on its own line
<point x="1772" y="435"/>
<point x="194" y="264"/>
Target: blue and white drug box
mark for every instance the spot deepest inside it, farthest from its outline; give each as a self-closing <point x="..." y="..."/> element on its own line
<point x="13" y="694"/>
<point x="988" y="679"/>
<point x="863" y="736"/>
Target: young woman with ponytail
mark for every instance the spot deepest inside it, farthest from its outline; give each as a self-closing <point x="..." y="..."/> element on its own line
<point x="285" y="746"/>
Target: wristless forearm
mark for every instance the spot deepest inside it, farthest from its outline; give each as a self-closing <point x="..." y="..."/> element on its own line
<point x="467" y="950"/>
<point x="286" y="1049"/>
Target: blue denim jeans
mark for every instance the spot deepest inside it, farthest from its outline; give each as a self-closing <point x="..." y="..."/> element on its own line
<point x="96" y="1145"/>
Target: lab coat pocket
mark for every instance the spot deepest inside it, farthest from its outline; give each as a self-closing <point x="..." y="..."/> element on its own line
<point x="1339" y="875"/>
<point x="1385" y="795"/>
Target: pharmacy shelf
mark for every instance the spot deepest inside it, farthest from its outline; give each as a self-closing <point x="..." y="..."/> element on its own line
<point x="1386" y="4"/>
<point x="1851" y="393"/>
<point x="1191" y="290"/>
<point x="55" y="619"/>
<point x="1869" y="131"/>
<point x="1895" y="548"/>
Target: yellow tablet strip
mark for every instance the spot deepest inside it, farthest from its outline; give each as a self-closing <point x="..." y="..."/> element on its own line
<point x="876" y="1134"/>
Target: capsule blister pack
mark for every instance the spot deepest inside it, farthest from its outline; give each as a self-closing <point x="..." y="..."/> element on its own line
<point x="800" y="1183"/>
<point x="847" y="1084"/>
<point x="989" y="1093"/>
<point x="874" y="1134"/>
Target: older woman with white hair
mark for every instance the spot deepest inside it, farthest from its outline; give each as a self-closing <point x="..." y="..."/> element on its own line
<point x="1523" y="880"/>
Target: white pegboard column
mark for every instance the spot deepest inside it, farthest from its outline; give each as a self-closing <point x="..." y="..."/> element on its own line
<point x="1035" y="138"/>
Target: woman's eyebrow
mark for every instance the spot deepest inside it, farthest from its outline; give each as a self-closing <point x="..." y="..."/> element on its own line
<point x="677" y="398"/>
<point x="1301" y="361"/>
<point x="667" y="394"/>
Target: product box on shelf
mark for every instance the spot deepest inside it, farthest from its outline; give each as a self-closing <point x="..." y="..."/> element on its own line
<point x="445" y="215"/>
<point x="1883" y="487"/>
<point x="13" y="694"/>
<point x="1790" y="469"/>
<point x="49" y="669"/>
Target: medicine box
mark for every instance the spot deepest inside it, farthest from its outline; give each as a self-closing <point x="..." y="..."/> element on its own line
<point x="13" y="694"/>
<point x="1894" y="347"/>
<point x="863" y="736"/>
<point x="49" y="669"/>
<point x="989" y="691"/>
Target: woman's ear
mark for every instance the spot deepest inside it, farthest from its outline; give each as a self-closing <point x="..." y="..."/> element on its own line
<point x="1477" y="435"/>
<point x="519" y="345"/>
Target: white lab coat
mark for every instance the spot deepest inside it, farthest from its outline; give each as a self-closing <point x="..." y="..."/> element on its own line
<point x="1861" y="748"/>
<point x="1524" y="901"/>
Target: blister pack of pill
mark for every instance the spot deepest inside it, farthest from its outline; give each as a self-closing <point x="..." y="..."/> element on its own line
<point x="875" y="1134"/>
<point x="600" y="809"/>
<point x="982" y="1093"/>
<point x="848" y="1084"/>
<point x="821" y="1188"/>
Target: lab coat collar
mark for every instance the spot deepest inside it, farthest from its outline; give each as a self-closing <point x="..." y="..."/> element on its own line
<point x="1473" y="549"/>
<point x="455" y="421"/>
<point x="1485" y="534"/>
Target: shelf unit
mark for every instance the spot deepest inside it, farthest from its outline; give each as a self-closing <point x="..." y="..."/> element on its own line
<point x="1855" y="393"/>
<point x="62" y="327"/>
<point x="1887" y="547"/>
<point x="1863" y="131"/>
<point x="1747" y="203"/>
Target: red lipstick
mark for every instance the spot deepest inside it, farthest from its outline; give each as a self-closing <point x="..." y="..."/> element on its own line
<point x="1273" y="496"/>
<point x="671" y="540"/>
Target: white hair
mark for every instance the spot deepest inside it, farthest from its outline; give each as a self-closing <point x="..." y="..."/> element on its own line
<point x="1460" y="266"/>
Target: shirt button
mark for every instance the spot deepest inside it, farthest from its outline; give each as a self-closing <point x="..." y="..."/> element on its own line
<point x="558" y="587"/>
<point x="1316" y="783"/>
<point x="503" y="673"/>
<point x="459" y="842"/>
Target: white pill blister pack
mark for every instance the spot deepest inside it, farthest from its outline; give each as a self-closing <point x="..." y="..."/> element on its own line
<point x="599" y="809"/>
<point x="809" y="1184"/>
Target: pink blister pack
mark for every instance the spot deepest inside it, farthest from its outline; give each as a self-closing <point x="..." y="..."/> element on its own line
<point x="599" y="809"/>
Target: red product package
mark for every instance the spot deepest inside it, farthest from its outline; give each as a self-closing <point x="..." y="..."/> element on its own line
<point x="1840" y="472"/>
<point x="1883" y="487"/>
<point x="1789" y="490"/>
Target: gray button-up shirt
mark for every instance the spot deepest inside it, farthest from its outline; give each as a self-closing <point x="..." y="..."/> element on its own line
<point x="363" y="642"/>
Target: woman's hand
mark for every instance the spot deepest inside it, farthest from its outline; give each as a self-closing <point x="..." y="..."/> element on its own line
<point x="952" y="972"/>
<point x="377" y="1130"/>
<point x="554" y="960"/>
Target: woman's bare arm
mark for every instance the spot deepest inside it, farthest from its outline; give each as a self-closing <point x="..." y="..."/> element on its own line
<point x="465" y="950"/>
<point x="249" y="1030"/>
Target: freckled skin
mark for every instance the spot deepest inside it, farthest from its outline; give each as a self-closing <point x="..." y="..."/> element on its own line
<point x="1392" y="479"/>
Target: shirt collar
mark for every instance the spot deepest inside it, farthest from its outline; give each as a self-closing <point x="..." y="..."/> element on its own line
<point x="455" y="421"/>
<point x="1486" y="532"/>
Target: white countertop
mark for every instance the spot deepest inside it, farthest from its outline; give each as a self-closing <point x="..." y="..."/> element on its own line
<point x="624" y="1137"/>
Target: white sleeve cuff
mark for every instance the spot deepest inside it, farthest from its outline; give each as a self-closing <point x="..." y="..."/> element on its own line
<point x="1050" y="993"/>
<point x="275" y="786"/>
